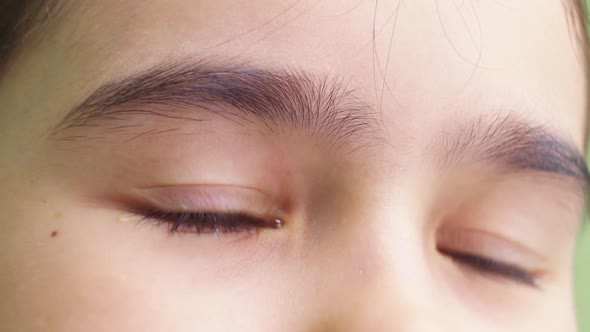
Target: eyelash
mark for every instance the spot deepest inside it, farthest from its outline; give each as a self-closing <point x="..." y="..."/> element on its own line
<point x="492" y="267"/>
<point x="208" y="222"/>
<point x="235" y="222"/>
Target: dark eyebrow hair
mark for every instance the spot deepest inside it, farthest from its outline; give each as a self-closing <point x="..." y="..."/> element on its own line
<point x="280" y="98"/>
<point x="515" y="143"/>
<point x="286" y="100"/>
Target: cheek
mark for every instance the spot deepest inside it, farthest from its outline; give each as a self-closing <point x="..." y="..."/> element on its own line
<point x="61" y="276"/>
<point x="72" y="268"/>
<point x="80" y="269"/>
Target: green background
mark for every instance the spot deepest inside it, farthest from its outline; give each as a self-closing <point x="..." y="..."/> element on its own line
<point x="583" y="266"/>
<point x="583" y="280"/>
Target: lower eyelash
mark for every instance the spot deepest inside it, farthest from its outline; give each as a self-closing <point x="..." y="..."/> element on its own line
<point x="207" y="222"/>
<point x="490" y="266"/>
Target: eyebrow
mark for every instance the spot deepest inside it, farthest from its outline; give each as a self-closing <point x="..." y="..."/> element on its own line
<point x="282" y="99"/>
<point x="287" y="100"/>
<point x="505" y="139"/>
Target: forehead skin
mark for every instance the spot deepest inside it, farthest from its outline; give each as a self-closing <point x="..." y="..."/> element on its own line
<point x="421" y="64"/>
<point x="417" y="60"/>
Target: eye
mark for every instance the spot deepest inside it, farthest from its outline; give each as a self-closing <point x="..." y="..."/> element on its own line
<point x="491" y="267"/>
<point x="209" y="222"/>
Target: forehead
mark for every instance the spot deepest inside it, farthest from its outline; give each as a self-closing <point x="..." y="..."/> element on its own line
<point x="416" y="61"/>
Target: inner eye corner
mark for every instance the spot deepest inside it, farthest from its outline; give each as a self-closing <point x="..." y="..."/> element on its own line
<point x="278" y="222"/>
<point x="440" y="233"/>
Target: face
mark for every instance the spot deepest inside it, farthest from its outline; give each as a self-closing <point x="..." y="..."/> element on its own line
<point x="307" y="166"/>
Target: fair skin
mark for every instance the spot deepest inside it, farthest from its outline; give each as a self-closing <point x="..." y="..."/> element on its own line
<point x="376" y="217"/>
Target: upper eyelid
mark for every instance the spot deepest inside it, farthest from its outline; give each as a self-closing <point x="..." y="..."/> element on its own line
<point x="203" y="193"/>
<point x="487" y="244"/>
<point x="211" y="197"/>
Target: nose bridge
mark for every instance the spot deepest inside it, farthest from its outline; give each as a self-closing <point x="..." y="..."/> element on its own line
<point x="391" y="303"/>
<point x="385" y="298"/>
<point x="398" y="294"/>
<point x="386" y="282"/>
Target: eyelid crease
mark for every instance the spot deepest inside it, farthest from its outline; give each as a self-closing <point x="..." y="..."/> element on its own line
<point x="194" y="198"/>
<point x="487" y="244"/>
<point x="201" y="185"/>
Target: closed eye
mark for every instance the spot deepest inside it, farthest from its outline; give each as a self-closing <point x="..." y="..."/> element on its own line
<point x="209" y="222"/>
<point x="491" y="267"/>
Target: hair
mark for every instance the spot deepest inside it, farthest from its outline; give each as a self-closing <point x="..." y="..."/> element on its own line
<point x="577" y="18"/>
<point x="581" y="21"/>
<point x="11" y="17"/>
<point x="22" y="19"/>
<point x="19" y="19"/>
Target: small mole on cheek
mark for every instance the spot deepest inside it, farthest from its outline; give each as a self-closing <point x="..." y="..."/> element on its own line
<point x="54" y="233"/>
